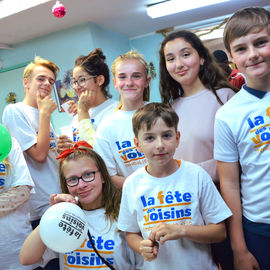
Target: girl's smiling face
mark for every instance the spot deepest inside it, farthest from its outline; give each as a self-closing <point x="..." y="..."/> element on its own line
<point x="182" y="62"/>
<point x="89" y="193"/>
<point x="88" y="82"/>
<point x="130" y="80"/>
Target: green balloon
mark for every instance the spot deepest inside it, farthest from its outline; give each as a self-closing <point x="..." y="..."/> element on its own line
<point x="5" y="142"/>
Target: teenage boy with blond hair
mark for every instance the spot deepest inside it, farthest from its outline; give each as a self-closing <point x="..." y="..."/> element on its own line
<point x="242" y="140"/>
<point x="170" y="210"/>
<point x="29" y="122"/>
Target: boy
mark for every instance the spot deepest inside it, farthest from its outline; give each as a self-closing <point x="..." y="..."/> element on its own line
<point x="242" y="140"/>
<point x="29" y="123"/>
<point x="170" y="210"/>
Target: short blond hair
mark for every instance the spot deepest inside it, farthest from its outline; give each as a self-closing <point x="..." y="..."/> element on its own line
<point x="38" y="61"/>
<point x="133" y="54"/>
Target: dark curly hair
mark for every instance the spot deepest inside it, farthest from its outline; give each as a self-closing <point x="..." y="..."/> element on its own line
<point x="211" y="76"/>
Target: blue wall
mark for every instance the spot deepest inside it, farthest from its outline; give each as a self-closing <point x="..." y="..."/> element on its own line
<point x="62" y="47"/>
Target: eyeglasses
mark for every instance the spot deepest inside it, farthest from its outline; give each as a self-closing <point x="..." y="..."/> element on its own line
<point x="86" y="177"/>
<point x="81" y="82"/>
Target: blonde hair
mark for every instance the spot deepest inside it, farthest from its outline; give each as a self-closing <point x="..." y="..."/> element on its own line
<point x="133" y="54"/>
<point x="38" y="61"/>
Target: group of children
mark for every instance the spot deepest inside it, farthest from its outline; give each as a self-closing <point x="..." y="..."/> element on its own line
<point x="139" y="178"/>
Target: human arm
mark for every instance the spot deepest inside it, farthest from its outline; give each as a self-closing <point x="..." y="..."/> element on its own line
<point x="230" y="190"/>
<point x="39" y="151"/>
<point x="118" y="180"/>
<point x="32" y="249"/>
<point x="205" y="234"/>
<point x="211" y="167"/>
<point x="147" y="248"/>
<point x="12" y="198"/>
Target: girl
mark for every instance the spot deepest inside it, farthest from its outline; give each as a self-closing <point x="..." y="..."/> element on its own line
<point x="15" y="187"/>
<point x="114" y="137"/>
<point x="83" y="174"/>
<point x="192" y="82"/>
<point x="90" y="81"/>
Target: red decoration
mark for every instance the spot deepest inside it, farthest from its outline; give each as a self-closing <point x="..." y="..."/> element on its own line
<point x="59" y="10"/>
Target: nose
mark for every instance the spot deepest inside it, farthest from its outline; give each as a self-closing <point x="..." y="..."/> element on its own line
<point x="129" y="81"/>
<point x="252" y="52"/>
<point x="159" y="143"/>
<point x="81" y="183"/>
<point x="178" y="62"/>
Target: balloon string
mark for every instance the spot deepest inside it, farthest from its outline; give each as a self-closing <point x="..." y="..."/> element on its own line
<point x="96" y="251"/>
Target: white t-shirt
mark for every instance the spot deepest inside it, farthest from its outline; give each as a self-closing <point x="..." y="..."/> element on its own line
<point x="15" y="226"/>
<point x="242" y="133"/>
<point x="23" y="121"/>
<point x="114" y="141"/>
<point x="109" y="242"/>
<point x="196" y="125"/>
<point x="186" y="197"/>
<point x="97" y="114"/>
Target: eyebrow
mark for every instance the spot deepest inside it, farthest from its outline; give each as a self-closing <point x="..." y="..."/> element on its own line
<point x="183" y="49"/>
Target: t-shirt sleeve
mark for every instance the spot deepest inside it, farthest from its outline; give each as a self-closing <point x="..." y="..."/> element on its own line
<point x="225" y="147"/>
<point x="213" y="207"/>
<point x="87" y="131"/>
<point x="19" y="171"/>
<point x="18" y="126"/>
<point x="127" y="220"/>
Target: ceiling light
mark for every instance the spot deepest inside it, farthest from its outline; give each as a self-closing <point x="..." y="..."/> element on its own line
<point x="175" y="6"/>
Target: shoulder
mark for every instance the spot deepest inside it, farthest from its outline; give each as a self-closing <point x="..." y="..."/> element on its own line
<point x="135" y="178"/>
<point x="232" y="106"/>
<point x="225" y="94"/>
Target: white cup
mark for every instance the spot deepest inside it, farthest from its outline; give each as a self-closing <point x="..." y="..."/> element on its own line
<point x="65" y="107"/>
<point x="67" y="130"/>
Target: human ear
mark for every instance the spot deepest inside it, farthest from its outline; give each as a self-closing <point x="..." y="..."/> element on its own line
<point x="25" y="82"/>
<point x="137" y="144"/>
<point x="177" y="138"/>
<point x="100" y="80"/>
<point x="147" y="82"/>
<point x="201" y="61"/>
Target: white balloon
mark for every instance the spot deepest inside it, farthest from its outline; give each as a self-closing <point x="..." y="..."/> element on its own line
<point x="63" y="227"/>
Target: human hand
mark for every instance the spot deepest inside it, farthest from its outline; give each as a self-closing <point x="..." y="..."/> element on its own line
<point x="245" y="261"/>
<point x="46" y="104"/>
<point x="63" y="143"/>
<point x="73" y="107"/>
<point x="57" y="198"/>
<point x="87" y="100"/>
<point x="148" y="249"/>
<point x="164" y="232"/>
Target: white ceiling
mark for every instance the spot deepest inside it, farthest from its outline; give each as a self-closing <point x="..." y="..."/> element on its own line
<point x="127" y="17"/>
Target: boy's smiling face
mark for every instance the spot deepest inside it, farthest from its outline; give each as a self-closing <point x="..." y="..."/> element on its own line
<point x="158" y="143"/>
<point x="251" y="54"/>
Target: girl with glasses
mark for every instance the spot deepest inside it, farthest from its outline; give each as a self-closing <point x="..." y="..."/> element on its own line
<point x="83" y="174"/>
<point x="90" y="81"/>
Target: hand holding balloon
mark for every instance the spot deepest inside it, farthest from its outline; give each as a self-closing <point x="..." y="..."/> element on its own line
<point x="63" y="227"/>
<point x="5" y="142"/>
<point x="57" y="198"/>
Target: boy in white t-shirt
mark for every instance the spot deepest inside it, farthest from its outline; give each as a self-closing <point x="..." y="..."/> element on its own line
<point x="170" y="210"/>
<point x="242" y="140"/>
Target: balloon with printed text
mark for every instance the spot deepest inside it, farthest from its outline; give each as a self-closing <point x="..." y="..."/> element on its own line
<point x="63" y="227"/>
<point x="5" y="142"/>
